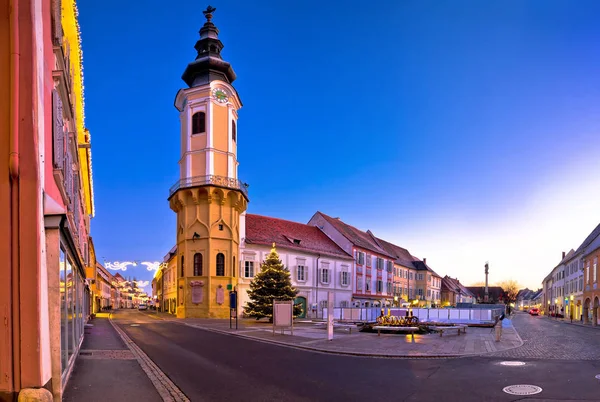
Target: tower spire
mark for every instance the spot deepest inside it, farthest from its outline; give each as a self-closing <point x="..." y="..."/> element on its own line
<point x="209" y="65"/>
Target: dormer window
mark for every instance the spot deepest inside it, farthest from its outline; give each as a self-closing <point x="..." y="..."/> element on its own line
<point x="199" y="123"/>
<point x="296" y="241"/>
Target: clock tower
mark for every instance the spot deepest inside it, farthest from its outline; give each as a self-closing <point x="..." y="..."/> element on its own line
<point x="209" y="197"/>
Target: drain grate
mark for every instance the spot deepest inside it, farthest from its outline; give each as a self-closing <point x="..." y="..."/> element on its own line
<point x="512" y="363"/>
<point x="522" y="389"/>
<point x="85" y="353"/>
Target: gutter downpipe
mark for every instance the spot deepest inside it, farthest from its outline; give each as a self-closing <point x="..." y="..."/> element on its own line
<point x="317" y="282"/>
<point x="13" y="166"/>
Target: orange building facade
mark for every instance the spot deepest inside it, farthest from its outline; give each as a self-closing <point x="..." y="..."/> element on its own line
<point x="591" y="291"/>
<point x="46" y="197"/>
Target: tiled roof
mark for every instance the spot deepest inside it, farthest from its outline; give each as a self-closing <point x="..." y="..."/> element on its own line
<point x="356" y="236"/>
<point x="170" y="254"/>
<point x="403" y="257"/>
<point x="454" y="285"/>
<point x="494" y="292"/>
<point x="291" y="235"/>
<point x="421" y="266"/>
<point x="588" y="240"/>
<point x="567" y="257"/>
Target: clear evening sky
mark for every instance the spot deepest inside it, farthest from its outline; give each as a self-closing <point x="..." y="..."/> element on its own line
<point x="465" y="131"/>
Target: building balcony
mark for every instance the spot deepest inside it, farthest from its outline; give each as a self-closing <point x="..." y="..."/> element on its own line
<point x="210" y="180"/>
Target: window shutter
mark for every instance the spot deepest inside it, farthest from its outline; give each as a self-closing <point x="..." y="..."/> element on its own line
<point x="58" y="130"/>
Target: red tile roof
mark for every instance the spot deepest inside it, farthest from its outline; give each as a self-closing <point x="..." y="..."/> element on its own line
<point x="290" y="235"/>
<point x="454" y="285"/>
<point x="403" y="257"/>
<point x="356" y="236"/>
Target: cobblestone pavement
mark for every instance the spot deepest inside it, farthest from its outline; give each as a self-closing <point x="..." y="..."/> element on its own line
<point x="544" y="338"/>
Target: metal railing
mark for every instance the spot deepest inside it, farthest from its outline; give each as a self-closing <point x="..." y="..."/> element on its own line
<point x="219" y="181"/>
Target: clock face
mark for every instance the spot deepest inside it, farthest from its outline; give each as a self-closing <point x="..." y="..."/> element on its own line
<point x="220" y="95"/>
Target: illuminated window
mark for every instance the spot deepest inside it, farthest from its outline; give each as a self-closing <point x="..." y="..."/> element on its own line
<point x="198" y="123"/>
<point x="197" y="264"/>
<point x="220" y="264"/>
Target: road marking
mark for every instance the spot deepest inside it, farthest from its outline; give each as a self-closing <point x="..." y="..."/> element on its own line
<point x="598" y="377"/>
<point x="522" y="389"/>
<point x="134" y="325"/>
<point x="512" y="363"/>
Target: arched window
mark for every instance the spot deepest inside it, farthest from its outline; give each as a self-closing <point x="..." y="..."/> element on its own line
<point x="198" y="123"/>
<point x="233" y="130"/>
<point x="220" y="264"/>
<point x="197" y="264"/>
<point x="182" y="268"/>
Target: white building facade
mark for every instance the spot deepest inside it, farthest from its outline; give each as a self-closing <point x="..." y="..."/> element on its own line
<point x="317" y="265"/>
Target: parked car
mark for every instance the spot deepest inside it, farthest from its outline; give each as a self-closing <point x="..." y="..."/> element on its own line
<point x="534" y="311"/>
<point x="142" y="307"/>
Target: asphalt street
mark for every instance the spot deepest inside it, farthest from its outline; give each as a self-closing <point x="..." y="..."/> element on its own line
<point x="209" y="366"/>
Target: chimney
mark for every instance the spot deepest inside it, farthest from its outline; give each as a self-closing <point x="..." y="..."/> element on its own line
<point x="563" y="255"/>
<point x="425" y="261"/>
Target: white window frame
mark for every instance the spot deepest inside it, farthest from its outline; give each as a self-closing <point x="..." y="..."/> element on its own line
<point x="345" y="278"/>
<point x="301" y="268"/>
<point x="367" y="285"/>
<point x="324" y="277"/>
<point x="359" y="284"/>
<point x="379" y="286"/>
<point x="248" y="266"/>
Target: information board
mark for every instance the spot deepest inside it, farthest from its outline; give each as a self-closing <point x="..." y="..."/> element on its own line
<point x="283" y="315"/>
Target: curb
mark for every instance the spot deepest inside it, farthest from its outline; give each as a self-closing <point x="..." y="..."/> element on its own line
<point x="344" y="353"/>
<point x="168" y="391"/>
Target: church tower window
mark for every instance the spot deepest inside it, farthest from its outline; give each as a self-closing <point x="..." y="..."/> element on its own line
<point x="233" y="130"/>
<point x="198" y="264"/>
<point x="220" y="264"/>
<point x="199" y="123"/>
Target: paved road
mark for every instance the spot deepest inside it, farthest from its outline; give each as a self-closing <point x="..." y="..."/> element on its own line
<point x="208" y="366"/>
<point x="545" y="338"/>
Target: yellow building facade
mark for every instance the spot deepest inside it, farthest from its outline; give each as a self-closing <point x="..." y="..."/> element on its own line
<point x="209" y="198"/>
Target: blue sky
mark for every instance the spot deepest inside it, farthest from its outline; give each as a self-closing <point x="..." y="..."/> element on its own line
<point x="465" y="131"/>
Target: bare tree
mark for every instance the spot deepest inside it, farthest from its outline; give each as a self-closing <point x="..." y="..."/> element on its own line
<point x="511" y="289"/>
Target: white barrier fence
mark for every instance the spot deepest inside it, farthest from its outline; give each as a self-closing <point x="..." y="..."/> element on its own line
<point x="446" y="315"/>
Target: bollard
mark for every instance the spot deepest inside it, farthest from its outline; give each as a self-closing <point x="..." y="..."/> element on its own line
<point x="498" y="331"/>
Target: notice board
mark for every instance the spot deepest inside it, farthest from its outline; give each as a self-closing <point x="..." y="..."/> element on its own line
<point x="283" y="315"/>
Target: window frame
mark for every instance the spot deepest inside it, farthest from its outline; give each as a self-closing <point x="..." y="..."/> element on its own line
<point x="202" y="123"/>
<point x="249" y="268"/>
<point x="198" y="267"/>
<point x="220" y="264"/>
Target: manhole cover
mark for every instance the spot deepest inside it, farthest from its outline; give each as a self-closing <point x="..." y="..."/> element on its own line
<point x="515" y="363"/>
<point x="522" y="389"/>
<point x="134" y="325"/>
<point x="598" y="377"/>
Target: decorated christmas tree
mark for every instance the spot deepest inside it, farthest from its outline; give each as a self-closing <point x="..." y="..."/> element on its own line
<point x="271" y="283"/>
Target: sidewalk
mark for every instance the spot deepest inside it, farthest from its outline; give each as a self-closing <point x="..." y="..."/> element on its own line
<point x="106" y="370"/>
<point x="312" y="336"/>
<point x="574" y="322"/>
